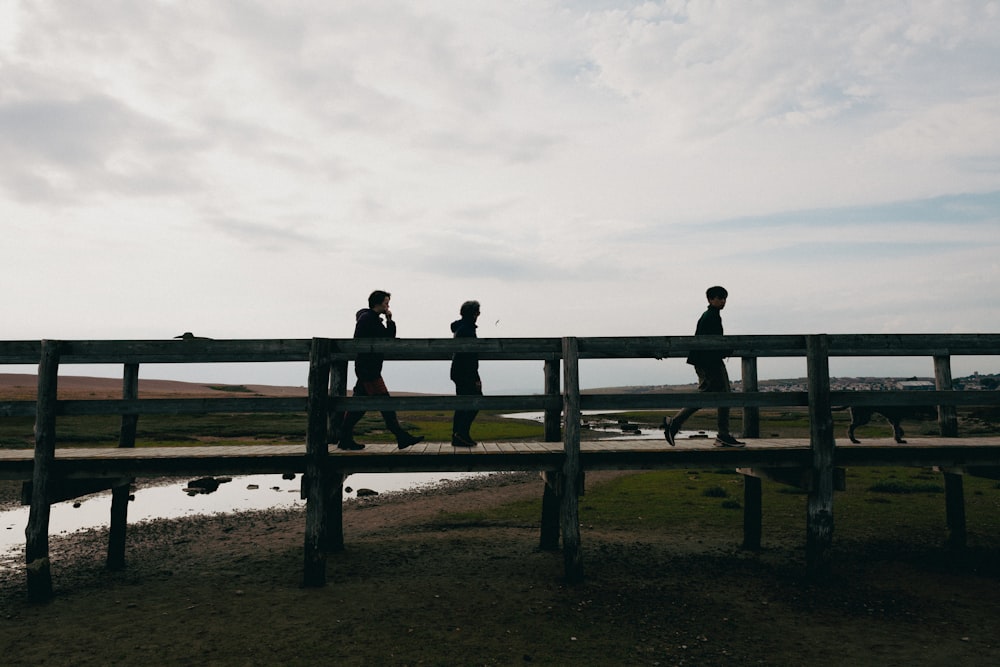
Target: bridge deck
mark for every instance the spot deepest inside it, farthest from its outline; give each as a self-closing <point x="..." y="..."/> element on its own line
<point x="618" y="454"/>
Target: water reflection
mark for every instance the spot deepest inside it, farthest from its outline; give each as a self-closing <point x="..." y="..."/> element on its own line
<point x="180" y="499"/>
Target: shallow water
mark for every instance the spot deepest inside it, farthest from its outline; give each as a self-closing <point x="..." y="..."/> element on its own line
<point x="170" y="501"/>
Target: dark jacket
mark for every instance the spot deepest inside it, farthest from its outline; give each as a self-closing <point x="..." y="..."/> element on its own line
<point x="369" y="325"/>
<point x="464" y="365"/>
<point x="709" y="324"/>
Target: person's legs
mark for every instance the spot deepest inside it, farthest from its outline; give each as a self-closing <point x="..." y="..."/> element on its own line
<point x="462" y="421"/>
<point x="377" y="387"/>
<point x="710" y="379"/>
<point x="349" y="421"/>
<point x="721" y="384"/>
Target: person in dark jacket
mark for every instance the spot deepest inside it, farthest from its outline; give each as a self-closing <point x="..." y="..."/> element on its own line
<point x="465" y="375"/>
<point x="710" y="366"/>
<point x="368" y="369"/>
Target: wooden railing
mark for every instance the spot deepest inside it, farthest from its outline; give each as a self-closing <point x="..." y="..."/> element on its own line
<point x="562" y="403"/>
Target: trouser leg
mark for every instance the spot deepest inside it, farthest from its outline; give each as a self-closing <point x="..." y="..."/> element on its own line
<point x="680" y="418"/>
<point x="723" y="421"/>
<point x="392" y="422"/>
<point x="348" y="423"/>
<point x="462" y="421"/>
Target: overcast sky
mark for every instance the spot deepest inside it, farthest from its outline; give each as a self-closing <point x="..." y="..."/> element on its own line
<point x="255" y="169"/>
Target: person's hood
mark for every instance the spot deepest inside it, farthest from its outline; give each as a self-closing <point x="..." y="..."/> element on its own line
<point x="456" y="325"/>
<point x="357" y="315"/>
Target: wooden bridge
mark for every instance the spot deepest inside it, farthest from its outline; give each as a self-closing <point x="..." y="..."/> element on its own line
<point x="815" y="464"/>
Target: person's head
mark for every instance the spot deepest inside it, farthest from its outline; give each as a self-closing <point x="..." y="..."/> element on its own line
<point x="717" y="296"/>
<point x="469" y="310"/>
<point x="378" y="300"/>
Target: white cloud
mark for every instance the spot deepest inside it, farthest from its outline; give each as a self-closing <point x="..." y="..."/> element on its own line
<point x="253" y="169"/>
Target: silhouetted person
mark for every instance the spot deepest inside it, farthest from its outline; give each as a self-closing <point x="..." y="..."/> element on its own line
<point x="710" y="366"/>
<point x="368" y="369"/>
<point x="465" y="375"/>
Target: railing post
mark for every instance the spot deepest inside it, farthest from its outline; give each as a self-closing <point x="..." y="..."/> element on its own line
<point x="317" y="475"/>
<point x="947" y="415"/>
<point x="954" y="491"/>
<point x="120" y="493"/>
<point x="338" y="389"/>
<point x="751" y="413"/>
<point x="819" y="520"/>
<point x="548" y="539"/>
<point x="571" y="472"/>
<point x="552" y="417"/>
<point x="37" y="532"/>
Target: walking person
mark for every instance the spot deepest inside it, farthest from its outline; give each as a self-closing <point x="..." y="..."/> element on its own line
<point x="710" y="366"/>
<point x="465" y="375"/>
<point x="368" y="369"/>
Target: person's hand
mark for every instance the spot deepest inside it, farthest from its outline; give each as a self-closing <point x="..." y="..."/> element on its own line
<point x="388" y="314"/>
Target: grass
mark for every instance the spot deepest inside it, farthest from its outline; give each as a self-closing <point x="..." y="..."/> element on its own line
<point x="703" y="500"/>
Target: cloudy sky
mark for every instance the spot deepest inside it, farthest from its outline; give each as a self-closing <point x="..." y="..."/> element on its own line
<point x="255" y="169"/>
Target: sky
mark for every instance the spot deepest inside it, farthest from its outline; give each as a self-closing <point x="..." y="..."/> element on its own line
<point x="255" y="169"/>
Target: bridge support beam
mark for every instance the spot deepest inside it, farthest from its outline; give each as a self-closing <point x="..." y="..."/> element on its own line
<point x="318" y="476"/>
<point x="37" y="532"/>
<point x="819" y="507"/>
<point x="569" y="514"/>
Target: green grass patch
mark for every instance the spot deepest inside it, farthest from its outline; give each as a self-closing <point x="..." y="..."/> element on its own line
<point x="897" y="486"/>
<point x="687" y="502"/>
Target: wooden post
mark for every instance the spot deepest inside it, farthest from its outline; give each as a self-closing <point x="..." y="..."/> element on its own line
<point x="752" y="512"/>
<point x="552" y="417"/>
<point x="819" y="519"/>
<point x="752" y="488"/>
<point x="318" y="494"/>
<point x="954" y="502"/>
<point x="954" y="490"/>
<point x="338" y="389"/>
<point x="947" y="415"/>
<point x="120" y="494"/>
<point x="548" y="539"/>
<point x="751" y="413"/>
<point x="569" y="514"/>
<point x="37" y="531"/>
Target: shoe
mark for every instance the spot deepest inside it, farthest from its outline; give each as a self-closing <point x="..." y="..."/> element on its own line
<point x="728" y="441"/>
<point x="349" y="444"/>
<point x="405" y="440"/>
<point x="462" y="441"/>
<point x="667" y="431"/>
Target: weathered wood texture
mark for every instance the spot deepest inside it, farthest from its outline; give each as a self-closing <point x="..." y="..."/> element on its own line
<point x="37" y="532"/>
<point x="569" y="509"/>
<point x="809" y="464"/>
<point x="318" y="474"/>
<point x="120" y="493"/>
<point x="819" y="521"/>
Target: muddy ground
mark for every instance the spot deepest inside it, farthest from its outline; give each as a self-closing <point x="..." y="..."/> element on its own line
<point x="416" y="587"/>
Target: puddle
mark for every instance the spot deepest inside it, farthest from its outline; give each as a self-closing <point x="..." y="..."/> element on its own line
<point x="171" y="501"/>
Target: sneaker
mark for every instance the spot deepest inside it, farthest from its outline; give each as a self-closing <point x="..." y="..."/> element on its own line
<point x="405" y="440"/>
<point x="458" y="440"/>
<point x="667" y="431"/>
<point x="728" y="441"/>
<point x="349" y="444"/>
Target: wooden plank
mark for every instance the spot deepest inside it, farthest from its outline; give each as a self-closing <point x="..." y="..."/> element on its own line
<point x="179" y="406"/>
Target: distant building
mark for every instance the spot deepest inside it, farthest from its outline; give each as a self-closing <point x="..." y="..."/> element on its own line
<point x="915" y="385"/>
